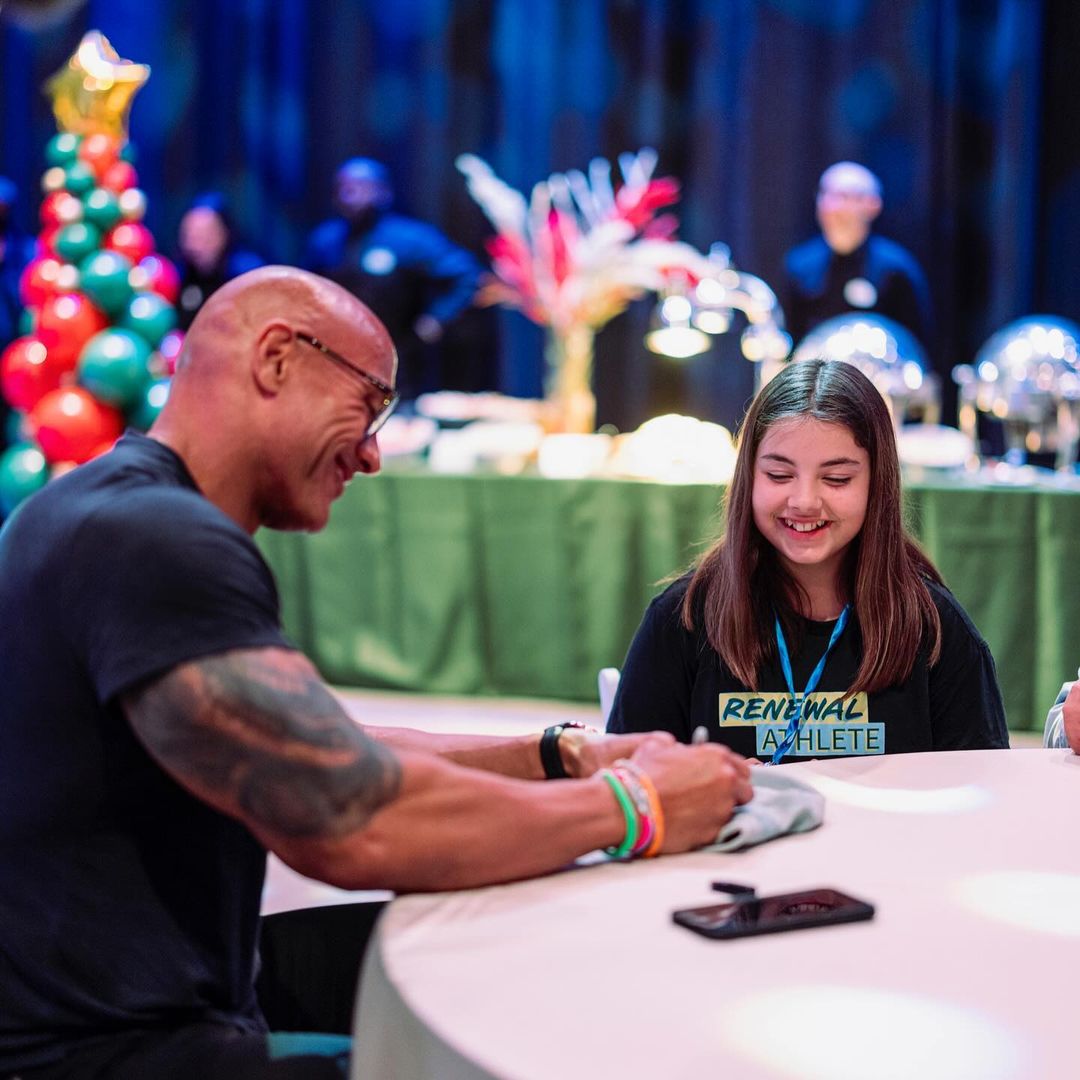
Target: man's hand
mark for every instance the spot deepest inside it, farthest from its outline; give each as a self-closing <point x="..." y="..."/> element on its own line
<point x="1070" y="715"/>
<point x="586" y="752"/>
<point x="699" y="787"/>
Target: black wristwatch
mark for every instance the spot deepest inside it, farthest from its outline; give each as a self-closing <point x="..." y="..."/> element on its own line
<point x="550" y="757"/>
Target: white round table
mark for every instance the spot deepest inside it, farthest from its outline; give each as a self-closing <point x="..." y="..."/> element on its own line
<point x="970" y="968"/>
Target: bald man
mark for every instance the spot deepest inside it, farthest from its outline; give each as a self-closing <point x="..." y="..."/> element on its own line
<point x="848" y="269"/>
<point x="158" y="733"/>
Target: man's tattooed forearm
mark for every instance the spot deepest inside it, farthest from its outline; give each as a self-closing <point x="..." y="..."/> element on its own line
<point x="261" y="729"/>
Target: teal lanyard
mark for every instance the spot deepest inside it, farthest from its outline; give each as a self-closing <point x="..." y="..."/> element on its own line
<point x="811" y="684"/>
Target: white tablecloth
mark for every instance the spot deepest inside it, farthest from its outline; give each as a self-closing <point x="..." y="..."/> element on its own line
<point x="970" y="969"/>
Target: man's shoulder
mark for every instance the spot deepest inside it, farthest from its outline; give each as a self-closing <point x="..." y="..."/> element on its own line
<point x="407" y="234"/>
<point x="241" y="260"/>
<point x="889" y="255"/>
<point x="327" y="239"/>
<point x="807" y="256"/>
<point x="137" y="493"/>
<point x="666" y="607"/>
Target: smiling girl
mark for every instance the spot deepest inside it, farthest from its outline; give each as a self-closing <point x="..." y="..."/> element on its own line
<point x="814" y="626"/>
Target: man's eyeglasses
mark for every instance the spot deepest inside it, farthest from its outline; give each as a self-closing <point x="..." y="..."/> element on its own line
<point x="390" y="396"/>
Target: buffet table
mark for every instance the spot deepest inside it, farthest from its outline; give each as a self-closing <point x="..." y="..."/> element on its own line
<point x="486" y="584"/>
<point x="966" y="972"/>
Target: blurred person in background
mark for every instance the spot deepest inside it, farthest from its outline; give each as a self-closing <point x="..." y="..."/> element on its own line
<point x="209" y="254"/>
<point x="412" y="276"/>
<point x="846" y="268"/>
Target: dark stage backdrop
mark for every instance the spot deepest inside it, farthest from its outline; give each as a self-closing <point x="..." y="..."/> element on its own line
<point x="965" y="108"/>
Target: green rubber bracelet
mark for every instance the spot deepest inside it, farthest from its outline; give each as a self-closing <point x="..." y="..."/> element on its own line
<point x="630" y="840"/>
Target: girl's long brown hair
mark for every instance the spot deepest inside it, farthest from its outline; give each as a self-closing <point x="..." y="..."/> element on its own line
<point x="739" y="583"/>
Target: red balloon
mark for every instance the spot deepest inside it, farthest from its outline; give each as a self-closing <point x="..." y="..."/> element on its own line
<point x="38" y="280"/>
<point x="47" y="240"/>
<point x="70" y="424"/>
<point x="130" y="238"/>
<point x="28" y="373"/>
<point x="157" y="274"/>
<point x="60" y="208"/>
<point x="100" y="152"/>
<point x="120" y="176"/>
<point x="66" y="323"/>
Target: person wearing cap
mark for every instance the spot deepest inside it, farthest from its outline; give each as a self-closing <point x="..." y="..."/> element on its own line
<point x="412" y="276"/>
<point x="847" y="268"/>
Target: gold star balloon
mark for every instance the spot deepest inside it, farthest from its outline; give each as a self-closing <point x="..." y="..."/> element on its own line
<point x="93" y="91"/>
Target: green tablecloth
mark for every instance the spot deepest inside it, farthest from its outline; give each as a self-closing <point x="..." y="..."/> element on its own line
<point x="527" y="586"/>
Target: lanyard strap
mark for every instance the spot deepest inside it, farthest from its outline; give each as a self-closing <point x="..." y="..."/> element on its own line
<point x="795" y="723"/>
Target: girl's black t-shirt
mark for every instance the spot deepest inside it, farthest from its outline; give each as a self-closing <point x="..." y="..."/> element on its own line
<point x="673" y="680"/>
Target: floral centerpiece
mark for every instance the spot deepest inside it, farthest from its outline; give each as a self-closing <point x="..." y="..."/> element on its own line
<point x="574" y="255"/>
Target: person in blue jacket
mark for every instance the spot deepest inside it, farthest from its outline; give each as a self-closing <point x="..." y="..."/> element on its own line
<point x="411" y="275"/>
<point x="846" y="268"/>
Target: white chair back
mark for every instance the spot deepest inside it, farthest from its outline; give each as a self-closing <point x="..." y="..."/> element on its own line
<point x="607" y="682"/>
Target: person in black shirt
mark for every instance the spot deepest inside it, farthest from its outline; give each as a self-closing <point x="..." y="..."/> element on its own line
<point x="412" y="276"/>
<point x="209" y="253"/>
<point x="159" y="733"/>
<point x="847" y="268"/>
<point x="815" y="626"/>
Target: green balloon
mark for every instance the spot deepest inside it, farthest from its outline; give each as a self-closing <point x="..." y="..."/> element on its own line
<point x="104" y="278"/>
<point x="27" y="322"/>
<point x="101" y="207"/>
<point x="22" y="471"/>
<point x="150" y="316"/>
<point x="79" y="179"/>
<point x="62" y="149"/>
<point x="146" y="412"/>
<point x="74" y="242"/>
<point x="112" y="366"/>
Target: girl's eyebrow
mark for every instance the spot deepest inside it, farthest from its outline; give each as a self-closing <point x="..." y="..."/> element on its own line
<point x="830" y="464"/>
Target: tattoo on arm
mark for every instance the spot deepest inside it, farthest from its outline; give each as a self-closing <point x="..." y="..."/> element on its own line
<point x="258" y="730"/>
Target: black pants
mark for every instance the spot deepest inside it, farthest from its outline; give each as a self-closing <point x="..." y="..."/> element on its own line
<point x="194" y="1052"/>
<point x="310" y="966"/>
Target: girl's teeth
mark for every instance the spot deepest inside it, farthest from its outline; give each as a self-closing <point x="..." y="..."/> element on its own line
<point x="805" y="526"/>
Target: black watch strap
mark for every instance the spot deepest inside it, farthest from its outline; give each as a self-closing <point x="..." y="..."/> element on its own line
<point x="550" y="757"/>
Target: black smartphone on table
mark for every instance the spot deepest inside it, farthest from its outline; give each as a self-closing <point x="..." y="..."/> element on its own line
<point x="744" y="916"/>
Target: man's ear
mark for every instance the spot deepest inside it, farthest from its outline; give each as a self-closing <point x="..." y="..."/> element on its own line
<point x="273" y="357"/>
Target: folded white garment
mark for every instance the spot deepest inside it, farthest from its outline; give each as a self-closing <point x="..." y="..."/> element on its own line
<point x="781" y="805"/>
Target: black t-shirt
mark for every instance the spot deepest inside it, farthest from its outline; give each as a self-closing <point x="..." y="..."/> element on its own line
<point x="124" y="901"/>
<point x="673" y="680"/>
<point x="878" y="278"/>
